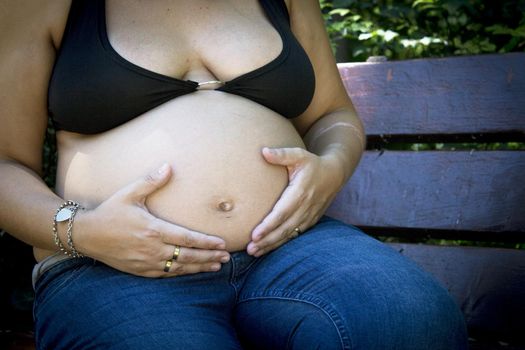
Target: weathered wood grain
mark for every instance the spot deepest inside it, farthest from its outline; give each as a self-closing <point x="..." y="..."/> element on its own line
<point x="472" y="94"/>
<point x="455" y="191"/>
<point x="452" y="190"/>
<point x="487" y="283"/>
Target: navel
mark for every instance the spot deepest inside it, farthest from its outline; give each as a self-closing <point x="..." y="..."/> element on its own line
<point x="225" y="205"/>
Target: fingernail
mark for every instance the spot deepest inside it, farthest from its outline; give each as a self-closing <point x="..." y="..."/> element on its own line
<point x="252" y="248"/>
<point x="215" y="267"/>
<point x="221" y="246"/>
<point x="163" y="169"/>
<point x="225" y="259"/>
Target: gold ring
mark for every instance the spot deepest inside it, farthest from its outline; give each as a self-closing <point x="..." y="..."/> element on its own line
<point x="176" y="253"/>
<point x="167" y="266"/>
<point x="295" y="233"/>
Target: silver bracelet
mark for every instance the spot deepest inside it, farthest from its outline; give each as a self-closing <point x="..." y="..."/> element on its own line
<point x="66" y="211"/>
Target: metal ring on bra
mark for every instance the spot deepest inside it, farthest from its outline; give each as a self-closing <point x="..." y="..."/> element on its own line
<point x="209" y="82"/>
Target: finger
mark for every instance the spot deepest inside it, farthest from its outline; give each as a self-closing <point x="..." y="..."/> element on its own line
<point x="274" y="239"/>
<point x="268" y="246"/>
<point x="260" y="252"/>
<point x="284" y="156"/>
<point x="196" y="256"/>
<point x="178" y="235"/>
<point x="285" y="232"/>
<point x="177" y="269"/>
<point x="148" y="184"/>
<point x="290" y="200"/>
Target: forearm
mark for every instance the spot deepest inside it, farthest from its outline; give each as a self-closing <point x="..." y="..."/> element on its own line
<point x="27" y="205"/>
<point x="338" y="136"/>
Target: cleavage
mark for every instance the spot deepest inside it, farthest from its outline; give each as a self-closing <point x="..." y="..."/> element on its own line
<point x="209" y="50"/>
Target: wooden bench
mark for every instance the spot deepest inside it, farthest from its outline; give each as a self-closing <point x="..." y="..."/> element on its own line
<point x="476" y="195"/>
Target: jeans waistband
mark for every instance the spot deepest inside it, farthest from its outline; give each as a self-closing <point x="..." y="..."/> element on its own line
<point x="240" y="261"/>
<point x="46" y="264"/>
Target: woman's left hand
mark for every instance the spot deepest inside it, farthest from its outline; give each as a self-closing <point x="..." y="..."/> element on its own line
<point x="313" y="183"/>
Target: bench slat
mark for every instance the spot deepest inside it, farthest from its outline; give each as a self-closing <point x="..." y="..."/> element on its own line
<point x="472" y="94"/>
<point x="487" y="283"/>
<point x="450" y="190"/>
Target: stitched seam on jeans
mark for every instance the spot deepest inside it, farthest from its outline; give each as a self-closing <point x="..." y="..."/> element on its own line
<point x="327" y="309"/>
<point x="250" y="265"/>
<point x="234" y="277"/>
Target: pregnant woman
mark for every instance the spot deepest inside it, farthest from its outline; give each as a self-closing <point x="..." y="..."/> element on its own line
<point x="199" y="143"/>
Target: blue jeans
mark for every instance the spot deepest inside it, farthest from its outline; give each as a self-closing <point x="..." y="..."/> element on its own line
<point x="333" y="287"/>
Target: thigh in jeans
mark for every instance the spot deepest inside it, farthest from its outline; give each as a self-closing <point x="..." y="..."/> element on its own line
<point x="83" y="304"/>
<point x="336" y="288"/>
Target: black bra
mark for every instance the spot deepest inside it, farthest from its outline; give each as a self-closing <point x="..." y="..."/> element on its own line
<point x="93" y="89"/>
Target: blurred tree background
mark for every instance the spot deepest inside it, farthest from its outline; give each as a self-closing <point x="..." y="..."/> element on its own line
<point x="404" y="29"/>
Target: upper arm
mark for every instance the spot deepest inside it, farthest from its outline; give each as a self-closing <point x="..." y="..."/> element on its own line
<point x="308" y="27"/>
<point x="27" y="53"/>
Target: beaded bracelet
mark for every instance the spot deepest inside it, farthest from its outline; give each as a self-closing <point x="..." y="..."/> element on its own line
<point x="66" y="211"/>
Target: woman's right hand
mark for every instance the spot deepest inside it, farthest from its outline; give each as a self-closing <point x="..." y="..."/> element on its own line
<point x="123" y="234"/>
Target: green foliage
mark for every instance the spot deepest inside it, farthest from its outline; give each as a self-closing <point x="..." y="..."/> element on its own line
<point x="452" y="146"/>
<point x="452" y="242"/>
<point x="403" y="29"/>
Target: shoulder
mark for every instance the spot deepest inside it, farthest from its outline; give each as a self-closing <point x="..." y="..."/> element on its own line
<point x="298" y="4"/>
<point x="303" y="7"/>
<point x="30" y="32"/>
<point x="308" y="26"/>
<point x="23" y="20"/>
<point x="306" y="22"/>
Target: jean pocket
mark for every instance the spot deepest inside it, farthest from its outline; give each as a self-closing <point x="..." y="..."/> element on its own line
<point x="57" y="278"/>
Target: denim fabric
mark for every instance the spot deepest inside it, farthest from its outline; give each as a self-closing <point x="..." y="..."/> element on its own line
<point x="333" y="287"/>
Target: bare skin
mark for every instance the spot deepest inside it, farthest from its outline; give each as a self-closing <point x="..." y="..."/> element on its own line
<point x="212" y="191"/>
<point x="221" y="190"/>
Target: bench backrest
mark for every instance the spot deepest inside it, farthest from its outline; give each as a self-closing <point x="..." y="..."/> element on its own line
<point x="464" y="194"/>
<point x="467" y="99"/>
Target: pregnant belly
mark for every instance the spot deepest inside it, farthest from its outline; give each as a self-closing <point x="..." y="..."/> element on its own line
<point x="221" y="184"/>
